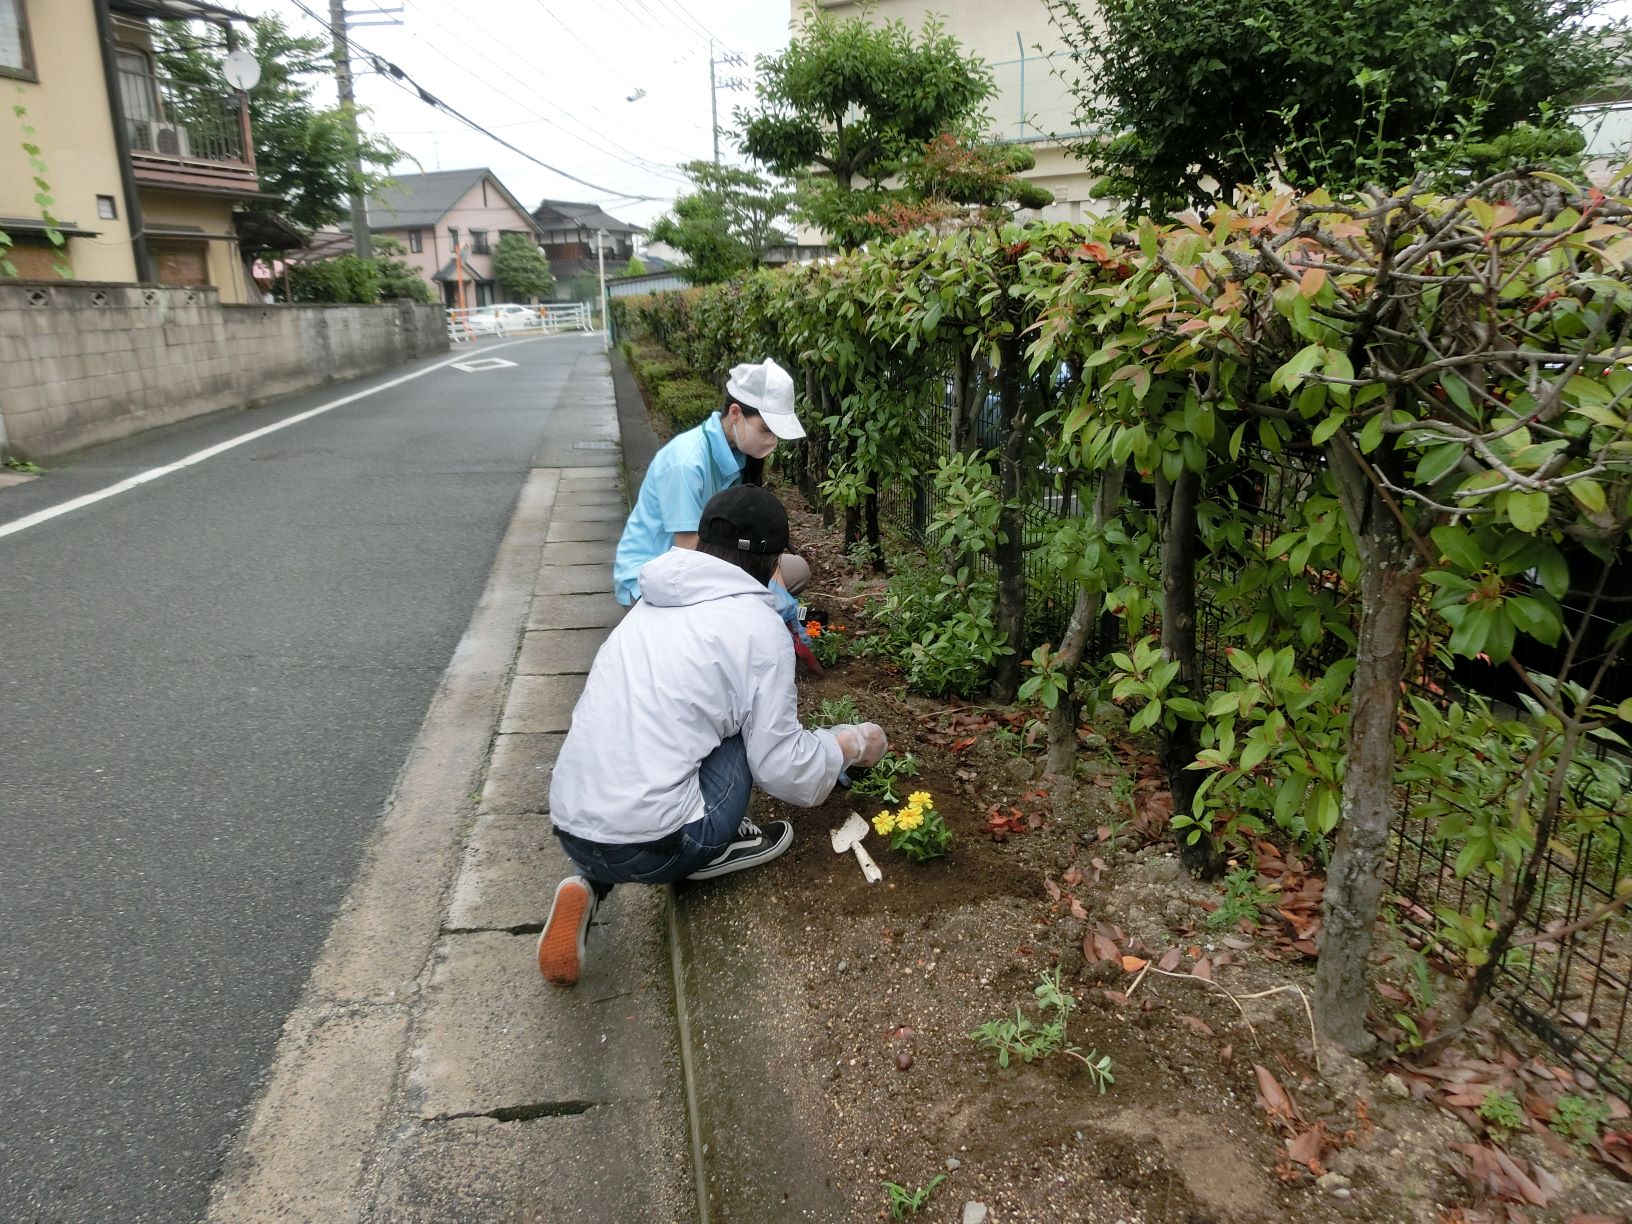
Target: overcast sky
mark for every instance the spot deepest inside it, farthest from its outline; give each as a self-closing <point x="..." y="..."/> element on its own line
<point x="554" y="78"/>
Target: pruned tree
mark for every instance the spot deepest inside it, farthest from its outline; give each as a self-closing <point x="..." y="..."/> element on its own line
<point x="726" y="224"/>
<point x="849" y="102"/>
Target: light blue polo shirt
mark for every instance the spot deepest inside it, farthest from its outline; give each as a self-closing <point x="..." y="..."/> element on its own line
<point x="690" y="469"/>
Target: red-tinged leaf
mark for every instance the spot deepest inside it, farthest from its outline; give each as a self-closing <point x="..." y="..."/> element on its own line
<point x="1117" y="997"/>
<point x="1221" y="959"/>
<point x="1035" y="820"/>
<point x="1111" y="931"/>
<point x="1194" y="951"/>
<point x="1307" y="947"/>
<point x="1077" y="910"/>
<point x="1104" y="833"/>
<point x="1272" y="1096"/>
<point x="1199" y="1025"/>
<point x="1132" y="964"/>
<point x="1311" y="281"/>
<point x="1203" y="969"/>
<point x="1594" y="1219"/>
<point x="1072" y="876"/>
<point x="1170" y="962"/>
<point x="1392" y="993"/>
<point x="1023" y="950"/>
<point x="964" y="744"/>
<point x="1053" y="889"/>
<point x="1098" y="864"/>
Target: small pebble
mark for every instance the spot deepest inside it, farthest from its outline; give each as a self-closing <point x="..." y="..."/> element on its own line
<point x="903" y="1061"/>
<point x="1332" y="1183"/>
<point x="1395" y="1086"/>
<point x="953" y="1163"/>
<point x="1342" y="1192"/>
<point x="843" y="965"/>
<point x="974" y="1213"/>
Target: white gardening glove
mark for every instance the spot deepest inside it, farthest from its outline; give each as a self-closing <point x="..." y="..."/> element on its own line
<point x="861" y="743"/>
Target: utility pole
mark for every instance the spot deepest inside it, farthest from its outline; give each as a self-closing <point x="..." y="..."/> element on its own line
<point x="348" y="100"/>
<point x="600" y="258"/>
<point x="732" y="60"/>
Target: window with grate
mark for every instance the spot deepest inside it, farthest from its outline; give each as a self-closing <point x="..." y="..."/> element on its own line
<point x="16" y="53"/>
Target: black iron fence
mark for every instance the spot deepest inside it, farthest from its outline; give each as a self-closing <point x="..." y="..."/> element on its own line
<point x="1571" y="991"/>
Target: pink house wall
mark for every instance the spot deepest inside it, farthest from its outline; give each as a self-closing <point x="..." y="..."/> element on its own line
<point x="483" y="207"/>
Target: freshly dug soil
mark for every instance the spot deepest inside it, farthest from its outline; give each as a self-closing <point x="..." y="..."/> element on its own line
<point x="849" y="1009"/>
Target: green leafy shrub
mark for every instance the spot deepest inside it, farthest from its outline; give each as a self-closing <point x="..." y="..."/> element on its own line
<point x="938" y="627"/>
<point x="345" y="278"/>
<point x="685" y="402"/>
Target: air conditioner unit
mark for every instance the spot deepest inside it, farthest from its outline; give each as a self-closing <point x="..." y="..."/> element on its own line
<point x="171" y="138"/>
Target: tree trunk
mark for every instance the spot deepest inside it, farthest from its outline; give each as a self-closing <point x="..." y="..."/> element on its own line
<point x="1010" y="554"/>
<point x="1063" y="718"/>
<point x="1391" y="572"/>
<point x="1176" y="501"/>
<point x="875" y="538"/>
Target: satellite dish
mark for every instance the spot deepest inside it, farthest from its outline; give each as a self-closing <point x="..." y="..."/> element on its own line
<point x="241" y="69"/>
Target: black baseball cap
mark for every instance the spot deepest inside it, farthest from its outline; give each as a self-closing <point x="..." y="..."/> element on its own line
<point x="747" y="518"/>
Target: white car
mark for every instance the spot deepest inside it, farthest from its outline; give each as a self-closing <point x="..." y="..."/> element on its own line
<point x="497" y="320"/>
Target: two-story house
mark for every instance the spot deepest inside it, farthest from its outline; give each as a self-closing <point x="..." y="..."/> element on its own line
<point x="449" y="222"/>
<point x="569" y="235"/>
<point x="146" y="175"/>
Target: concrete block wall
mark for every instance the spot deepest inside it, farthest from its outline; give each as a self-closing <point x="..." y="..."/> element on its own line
<point x="87" y="363"/>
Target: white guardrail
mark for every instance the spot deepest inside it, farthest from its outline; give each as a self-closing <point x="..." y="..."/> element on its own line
<point x="480" y="322"/>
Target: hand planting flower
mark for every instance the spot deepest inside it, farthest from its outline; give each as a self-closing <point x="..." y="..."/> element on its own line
<point x="916" y="829"/>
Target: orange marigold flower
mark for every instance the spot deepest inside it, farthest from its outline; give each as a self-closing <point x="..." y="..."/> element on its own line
<point x="814" y="629"/>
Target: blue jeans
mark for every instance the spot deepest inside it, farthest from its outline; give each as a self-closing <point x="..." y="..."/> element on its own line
<point x="725" y="782"/>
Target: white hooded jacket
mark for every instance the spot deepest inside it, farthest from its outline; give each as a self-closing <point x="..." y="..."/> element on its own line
<point x="702" y="657"/>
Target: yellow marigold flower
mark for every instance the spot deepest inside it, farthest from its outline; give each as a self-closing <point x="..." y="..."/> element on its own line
<point x="920" y="799"/>
<point x="884" y="822"/>
<point x="909" y="818"/>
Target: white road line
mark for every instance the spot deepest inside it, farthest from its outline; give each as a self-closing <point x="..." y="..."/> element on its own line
<point x="209" y="452"/>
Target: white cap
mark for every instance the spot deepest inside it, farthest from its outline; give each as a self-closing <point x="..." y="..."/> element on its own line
<point x="768" y="389"/>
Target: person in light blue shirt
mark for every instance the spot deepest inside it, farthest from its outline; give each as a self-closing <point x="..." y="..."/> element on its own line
<point x="695" y="465"/>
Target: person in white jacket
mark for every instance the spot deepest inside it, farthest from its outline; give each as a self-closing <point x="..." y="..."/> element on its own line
<point x="689" y="703"/>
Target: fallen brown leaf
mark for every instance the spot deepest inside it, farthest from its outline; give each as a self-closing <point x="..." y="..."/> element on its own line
<point x="1132" y="964"/>
<point x="1170" y="961"/>
<point x="1198" y="1024"/>
<point x="1273" y="1097"/>
<point x="1096" y="947"/>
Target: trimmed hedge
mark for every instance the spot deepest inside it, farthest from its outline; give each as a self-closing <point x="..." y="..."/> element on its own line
<point x="685" y="402"/>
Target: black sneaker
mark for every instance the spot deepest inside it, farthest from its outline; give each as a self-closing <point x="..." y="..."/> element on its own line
<point x="752" y="847"/>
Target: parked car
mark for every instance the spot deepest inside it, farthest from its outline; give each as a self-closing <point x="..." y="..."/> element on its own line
<point x="497" y="320"/>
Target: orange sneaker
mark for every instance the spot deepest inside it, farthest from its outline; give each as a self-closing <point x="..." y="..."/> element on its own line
<point x="561" y="943"/>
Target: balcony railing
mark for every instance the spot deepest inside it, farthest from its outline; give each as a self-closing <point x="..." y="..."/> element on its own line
<point x="165" y="118"/>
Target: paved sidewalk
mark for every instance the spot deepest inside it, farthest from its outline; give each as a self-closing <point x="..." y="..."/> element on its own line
<point x="429" y="1074"/>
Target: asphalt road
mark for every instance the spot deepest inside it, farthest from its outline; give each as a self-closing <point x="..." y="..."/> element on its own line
<point x="208" y="686"/>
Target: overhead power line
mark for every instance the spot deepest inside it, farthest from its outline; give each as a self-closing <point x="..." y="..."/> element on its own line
<point x="405" y="82"/>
